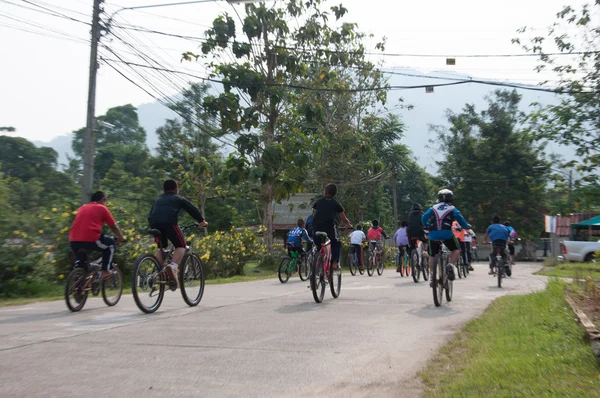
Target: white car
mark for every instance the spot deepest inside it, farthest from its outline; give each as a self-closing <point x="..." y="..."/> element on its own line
<point x="579" y="251"/>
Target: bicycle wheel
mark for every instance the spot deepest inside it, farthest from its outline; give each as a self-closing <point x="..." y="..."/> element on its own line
<point x="438" y="280"/>
<point x="283" y="271"/>
<point x="414" y="261"/>
<point x="75" y="296"/>
<point x="380" y="266"/>
<point x="459" y="268"/>
<point x="499" y="271"/>
<point x="191" y="279"/>
<point x="371" y="265"/>
<point x="335" y="281"/>
<point x="112" y="288"/>
<point x="401" y="262"/>
<point x="317" y="279"/>
<point x="406" y="265"/>
<point x="352" y="266"/>
<point x="449" y="287"/>
<point x="303" y="268"/>
<point x="148" y="283"/>
<point x="425" y="269"/>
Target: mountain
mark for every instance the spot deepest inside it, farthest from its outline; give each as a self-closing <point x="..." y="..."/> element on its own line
<point x="428" y="109"/>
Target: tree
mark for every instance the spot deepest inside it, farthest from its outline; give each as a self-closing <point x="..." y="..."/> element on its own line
<point x="259" y="77"/>
<point x="575" y="121"/>
<point x="21" y="159"/>
<point x="493" y="165"/>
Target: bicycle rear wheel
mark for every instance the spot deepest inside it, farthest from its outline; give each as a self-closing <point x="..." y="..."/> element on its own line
<point x="112" y="288"/>
<point x="414" y="261"/>
<point x="438" y="280"/>
<point x="75" y="296"/>
<point x="335" y="281"/>
<point x="371" y="264"/>
<point x="380" y="266"/>
<point x="148" y="283"/>
<point x="283" y="270"/>
<point x="499" y="271"/>
<point x="317" y="279"/>
<point x="459" y="268"/>
<point x="425" y="269"/>
<point x="352" y="266"/>
<point x="406" y="265"/>
<point x="191" y="280"/>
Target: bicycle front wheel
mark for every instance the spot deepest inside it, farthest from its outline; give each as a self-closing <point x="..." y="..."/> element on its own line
<point x="317" y="279"/>
<point x="283" y="271"/>
<point x="438" y="280"/>
<point x="148" y="283"/>
<point x="75" y="295"/>
<point x="191" y="280"/>
<point x="335" y="281"/>
<point x="112" y="288"/>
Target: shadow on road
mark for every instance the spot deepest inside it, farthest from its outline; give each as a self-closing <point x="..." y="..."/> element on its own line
<point x="35" y="317"/>
<point x="308" y="306"/>
<point x="432" y="311"/>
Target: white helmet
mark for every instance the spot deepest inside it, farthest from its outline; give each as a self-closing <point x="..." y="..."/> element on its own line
<point x="445" y="195"/>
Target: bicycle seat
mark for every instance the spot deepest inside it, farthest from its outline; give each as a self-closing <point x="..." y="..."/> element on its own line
<point x="373" y="241"/>
<point x="323" y="234"/>
<point x="155" y="232"/>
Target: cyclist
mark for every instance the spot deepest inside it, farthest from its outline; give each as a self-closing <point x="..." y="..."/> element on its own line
<point x="512" y="234"/>
<point x="375" y="233"/>
<point x="86" y="231"/>
<point x="439" y="219"/>
<point x="294" y="239"/>
<point x="164" y="216"/>
<point x="325" y="212"/>
<point x="499" y="236"/>
<point x="309" y="230"/>
<point x="401" y="239"/>
<point x="459" y="233"/>
<point x="415" y="227"/>
<point x="469" y="236"/>
<point x="422" y="249"/>
<point x="356" y="239"/>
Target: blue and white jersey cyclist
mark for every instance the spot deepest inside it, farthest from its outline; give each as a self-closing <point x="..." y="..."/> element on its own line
<point x="295" y="237"/>
<point x="438" y="219"/>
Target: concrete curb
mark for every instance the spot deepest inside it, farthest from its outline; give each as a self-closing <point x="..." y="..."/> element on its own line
<point x="592" y="332"/>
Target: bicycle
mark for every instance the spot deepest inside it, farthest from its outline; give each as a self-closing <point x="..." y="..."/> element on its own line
<point x="404" y="263"/>
<point x="439" y="277"/>
<point x="462" y="269"/>
<point x="474" y="255"/>
<point x="353" y="263"/>
<point x="374" y="261"/>
<point x="149" y="277"/>
<point x="323" y="273"/>
<point x="418" y="267"/>
<point x="289" y="265"/>
<point x="500" y="265"/>
<point x="80" y="282"/>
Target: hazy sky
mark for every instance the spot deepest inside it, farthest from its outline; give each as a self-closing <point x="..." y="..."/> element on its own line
<point x="44" y="77"/>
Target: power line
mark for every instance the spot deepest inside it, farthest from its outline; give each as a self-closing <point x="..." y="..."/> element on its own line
<point x="75" y="40"/>
<point x="39" y="26"/>
<point x="47" y="11"/>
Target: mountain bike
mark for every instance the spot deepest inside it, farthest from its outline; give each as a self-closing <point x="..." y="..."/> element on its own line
<point x="87" y="277"/>
<point x="353" y="263"/>
<point x="439" y="277"/>
<point x="323" y="273"/>
<point x="374" y="261"/>
<point x="404" y="263"/>
<point x="289" y="265"/>
<point x="500" y="265"/>
<point x="417" y="268"/>
<point x="461" y="267"/>
<point x="149" y="277"/>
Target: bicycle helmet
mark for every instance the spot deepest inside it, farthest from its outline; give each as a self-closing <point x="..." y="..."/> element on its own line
<point x="416" y="206"/>
<point x="445" y="195"/>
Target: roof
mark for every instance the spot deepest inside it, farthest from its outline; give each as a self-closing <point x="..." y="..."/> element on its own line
<point x="594" y="222"/>
<point x="563" y="223"/>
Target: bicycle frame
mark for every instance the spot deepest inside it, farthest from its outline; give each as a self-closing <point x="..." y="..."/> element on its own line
<point x="325" y="252"/>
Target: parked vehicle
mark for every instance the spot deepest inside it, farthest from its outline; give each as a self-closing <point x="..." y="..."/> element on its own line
<point x="579" y="251"/>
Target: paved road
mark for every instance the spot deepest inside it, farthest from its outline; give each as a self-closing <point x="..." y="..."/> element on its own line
<point x="255" y="339"/>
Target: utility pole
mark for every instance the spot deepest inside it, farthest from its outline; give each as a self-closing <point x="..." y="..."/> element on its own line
<point x="570" y="190"/>
<point x="88" y="138"/>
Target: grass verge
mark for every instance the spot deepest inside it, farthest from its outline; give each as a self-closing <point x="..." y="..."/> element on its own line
<point x="574" y="270"/>
<point x="525" y="345"/>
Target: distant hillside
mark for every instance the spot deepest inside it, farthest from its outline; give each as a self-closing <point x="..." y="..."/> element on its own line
<point x="428" y="109"/>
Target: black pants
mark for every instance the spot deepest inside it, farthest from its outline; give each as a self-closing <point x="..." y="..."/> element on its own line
<point x="357" y="249"/>
<point x="463" y="252"/>
<point x="105" y="244"/>
<point x="469" y="255"/>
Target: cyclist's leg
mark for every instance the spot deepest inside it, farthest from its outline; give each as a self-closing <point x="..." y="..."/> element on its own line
<point x="82" y="257"/>
<point x="106" y="244"/>
<point x="174" y="234"/>
<point x="399" y="259"/>
<point x="434" y="248"/>
<point x="336" y="247"/>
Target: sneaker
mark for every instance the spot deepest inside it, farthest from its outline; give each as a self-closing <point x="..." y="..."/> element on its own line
<point x="397" y="269"/>
<point x="471" y="268"/>
<point x="172" y="274"/>
<point x="450" y="272"/>
<point x="491" y="272"/>
<point x="431" y="284"/>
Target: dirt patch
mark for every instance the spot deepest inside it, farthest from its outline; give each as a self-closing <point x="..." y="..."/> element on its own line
<point x="587" y="298"/>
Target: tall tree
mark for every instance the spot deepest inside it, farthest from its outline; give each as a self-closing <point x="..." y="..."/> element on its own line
<point x="260" y="74"/>
<point x="575" y="121"/>
<point x="493" y="165"/>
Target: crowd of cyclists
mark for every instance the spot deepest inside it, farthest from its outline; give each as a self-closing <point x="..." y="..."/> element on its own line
<point x="425" y="231"/>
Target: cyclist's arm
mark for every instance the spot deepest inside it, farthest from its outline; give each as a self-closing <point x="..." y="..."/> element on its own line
<point x="112" y="224"/>
<point x="461" y="220"/>
<point x="384" y="234"/>
<point x="305" y="235"/>
<point x="425" y="218"/>
<point x="191" y="210"/>
<point x="345" y="219"/>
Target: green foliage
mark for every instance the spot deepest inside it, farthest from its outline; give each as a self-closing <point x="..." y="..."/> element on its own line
<point x="492" y="165"/>
<point x="575" y="121"/>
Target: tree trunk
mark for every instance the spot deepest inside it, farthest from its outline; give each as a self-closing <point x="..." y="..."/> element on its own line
<point x="268" y="215"/>
<point x="395" y="197"/>
<point x="202" y="211"/>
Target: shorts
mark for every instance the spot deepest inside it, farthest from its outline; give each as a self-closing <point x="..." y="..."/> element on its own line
<point x="511" y="249"/>
<point x="435" y="246"/>
<point x="412" y="240"/>
<point x="169" y="232"/>
<point x="292" y="248"/>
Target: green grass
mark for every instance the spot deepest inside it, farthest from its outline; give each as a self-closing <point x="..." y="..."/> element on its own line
<point x="521" y="346"/>
<point x="574" y="270"/>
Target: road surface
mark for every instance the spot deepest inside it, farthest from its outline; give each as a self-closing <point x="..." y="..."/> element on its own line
<point x="254" y="339"/>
